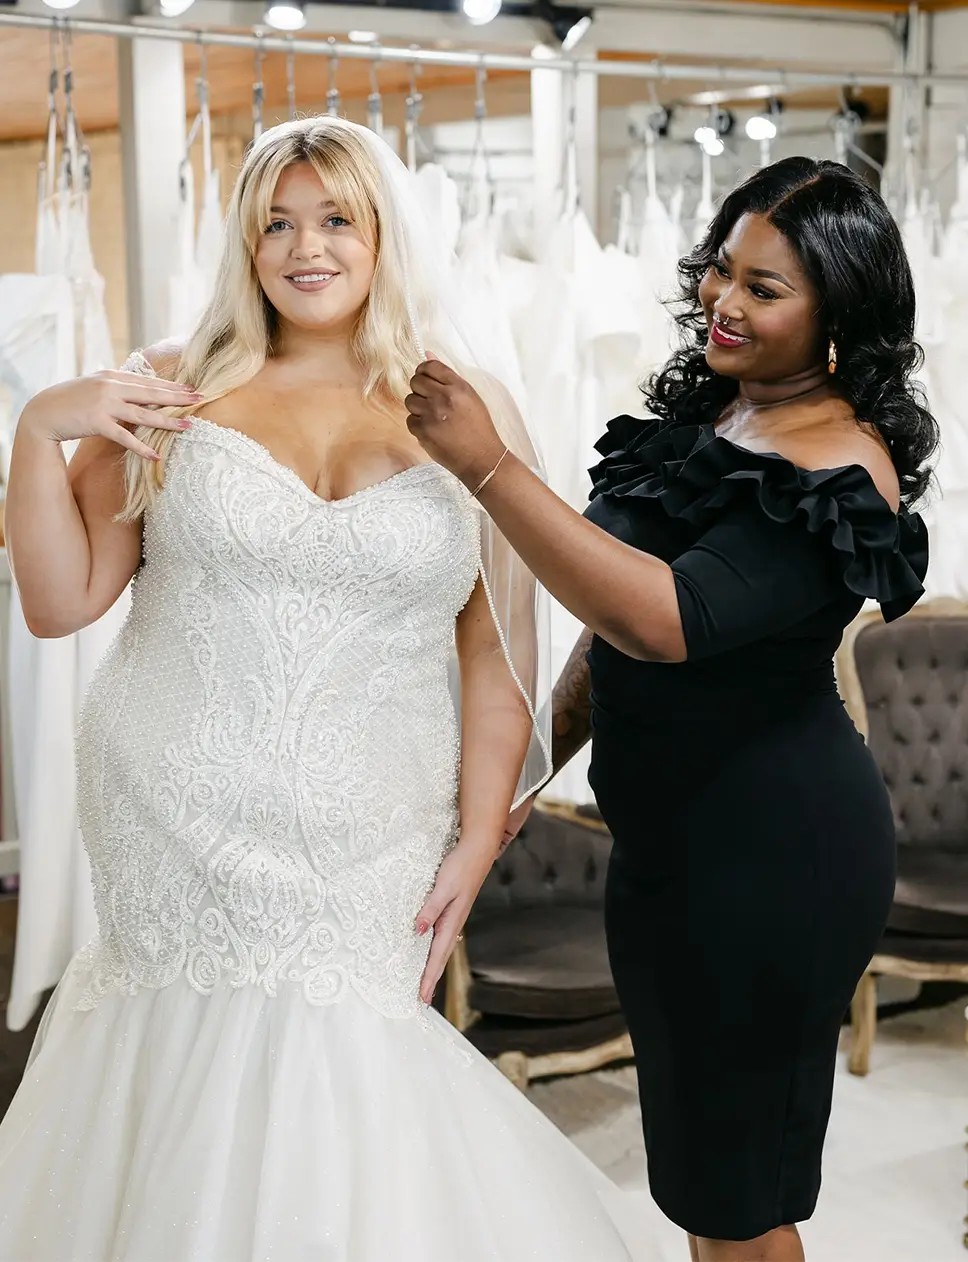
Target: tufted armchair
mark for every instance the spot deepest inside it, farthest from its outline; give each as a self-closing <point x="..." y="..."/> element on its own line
<point x="531" y="986"/>
<point x="906" y="687"/>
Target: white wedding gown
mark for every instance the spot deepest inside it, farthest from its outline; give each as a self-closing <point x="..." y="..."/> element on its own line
<point x="239" y="1068"/>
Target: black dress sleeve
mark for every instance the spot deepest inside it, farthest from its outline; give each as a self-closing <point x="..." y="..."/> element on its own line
<point x="749" y="577"/>
<point x="773" y="542"/>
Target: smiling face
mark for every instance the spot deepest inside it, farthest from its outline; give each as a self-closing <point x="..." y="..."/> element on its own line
<point x="314" y="264"/>
<point x="760" y="307"/>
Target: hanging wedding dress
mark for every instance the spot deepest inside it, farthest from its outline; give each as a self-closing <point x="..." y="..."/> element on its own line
<point x="943" y="286"/>
<point x="239" y="1066"/>
<point x="440" y="199"/>
<point x="198" y="248"/>
<point x="185" y="288"/>
<point x="658" y="254"/>
<point x="706" y="206"/>
<point x="208" y="245"/>
<point x="49" y="677"/>
<point x="36" y="351"/>
<point x="582" y="347"/>
<point x="482" y="278"/>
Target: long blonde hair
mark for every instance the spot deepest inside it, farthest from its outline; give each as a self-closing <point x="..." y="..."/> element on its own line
<point x="235" y="334"/>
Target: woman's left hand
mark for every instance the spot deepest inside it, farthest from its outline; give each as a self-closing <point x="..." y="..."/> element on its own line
<point x="459" y="879"/>
<point x="451" y="422"/>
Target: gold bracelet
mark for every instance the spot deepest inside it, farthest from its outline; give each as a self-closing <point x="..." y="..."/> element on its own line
<point x="476" y="493"/>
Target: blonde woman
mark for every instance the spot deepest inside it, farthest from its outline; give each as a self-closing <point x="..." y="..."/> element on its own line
<point x="286" y="827"/>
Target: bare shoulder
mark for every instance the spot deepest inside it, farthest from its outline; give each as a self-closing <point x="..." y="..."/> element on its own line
<point x="836" y="445"/>
<point x="164" y="357"/>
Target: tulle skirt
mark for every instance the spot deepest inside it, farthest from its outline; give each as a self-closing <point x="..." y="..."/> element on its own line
<point x="170" y="1126"/>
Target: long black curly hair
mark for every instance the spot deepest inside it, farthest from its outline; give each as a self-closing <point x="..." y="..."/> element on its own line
<point x="849" y="245"/>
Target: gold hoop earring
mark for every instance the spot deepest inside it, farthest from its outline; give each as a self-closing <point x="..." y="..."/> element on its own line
<point x="832" y="358"/>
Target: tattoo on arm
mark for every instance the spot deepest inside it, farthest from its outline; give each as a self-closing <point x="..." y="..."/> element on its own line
<point x="571" y="722"/>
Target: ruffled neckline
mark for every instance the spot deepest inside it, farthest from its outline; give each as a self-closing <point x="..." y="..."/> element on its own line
<point x="694" y="473"/>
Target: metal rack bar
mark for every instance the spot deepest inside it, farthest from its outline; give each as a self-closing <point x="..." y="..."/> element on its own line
<point x="657" y="69"/>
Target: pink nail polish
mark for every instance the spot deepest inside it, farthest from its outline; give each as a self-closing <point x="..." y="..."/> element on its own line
<point x="421" y="928"/>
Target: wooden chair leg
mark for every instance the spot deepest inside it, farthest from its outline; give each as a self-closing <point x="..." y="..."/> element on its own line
<point x="863" y="1022"/>
<point x="514" y="1066"/>
<point x="457" y="1010"/>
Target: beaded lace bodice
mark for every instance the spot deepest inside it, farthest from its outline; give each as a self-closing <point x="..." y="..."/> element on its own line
<point x="268" y="755"/>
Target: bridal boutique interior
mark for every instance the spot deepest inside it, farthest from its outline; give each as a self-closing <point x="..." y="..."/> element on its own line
<point x="569" y="155"/>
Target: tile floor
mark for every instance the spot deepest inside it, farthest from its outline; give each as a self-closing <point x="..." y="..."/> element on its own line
<point x="894" y="1178"/>
<point x="896" y="1161"/>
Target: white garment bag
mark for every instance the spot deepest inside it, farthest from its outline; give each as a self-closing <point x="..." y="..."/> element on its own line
<point x="49" y="677"/>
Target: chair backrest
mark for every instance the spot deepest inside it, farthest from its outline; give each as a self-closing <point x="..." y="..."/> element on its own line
<point x="906" y="686"/>
<point x="553" y="861"/>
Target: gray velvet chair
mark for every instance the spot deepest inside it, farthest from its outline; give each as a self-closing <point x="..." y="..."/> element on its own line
<point x="530" y="986"/>
<point x="906" y="687"/>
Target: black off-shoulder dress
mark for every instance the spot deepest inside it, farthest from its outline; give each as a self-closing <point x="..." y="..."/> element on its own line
<point x="753" y="865"/>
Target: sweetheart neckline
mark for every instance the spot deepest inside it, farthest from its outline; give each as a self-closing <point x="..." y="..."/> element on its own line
<point x="290" y="474"/>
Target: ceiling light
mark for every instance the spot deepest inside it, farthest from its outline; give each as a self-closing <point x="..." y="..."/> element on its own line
<point x="572" y="29"/>
<point x="285" y="15"/>
<point x="363" y="37"/>
<point x="705" y="136"/>
<point x="714" y="147"/>
<point x="175" y="8"/>
<point x="568" y="24"/>
<point x="541" y="52"/>
<point x="480" y="12"/>
<point x="759" y="127"/>
<point x="60" y="4"/>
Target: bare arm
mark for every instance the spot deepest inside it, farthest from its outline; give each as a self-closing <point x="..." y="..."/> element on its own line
<point x="571" y="724"/>
<point x="70" y="558"/>
<point x="626" y="596"/>
<point x="622" y="594"/>
<point x="496" y="730"/>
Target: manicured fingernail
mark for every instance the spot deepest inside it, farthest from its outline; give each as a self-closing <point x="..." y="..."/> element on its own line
<point x="184" y="424"/>
<point x="422" y="927"/>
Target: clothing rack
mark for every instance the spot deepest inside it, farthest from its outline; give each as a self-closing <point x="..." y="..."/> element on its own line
<point x="657" y="69"/>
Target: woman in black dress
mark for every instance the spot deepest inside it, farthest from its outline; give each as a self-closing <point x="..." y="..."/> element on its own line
<point x="730" y="539"/>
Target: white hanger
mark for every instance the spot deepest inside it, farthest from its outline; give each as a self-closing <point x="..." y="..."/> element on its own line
<point x="374" y="102"/>
<point x="258" y="88"/>
<point x="479" y="193"/>
<point x="333" y="102"/>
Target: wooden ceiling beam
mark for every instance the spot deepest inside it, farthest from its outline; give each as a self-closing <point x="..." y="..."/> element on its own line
<point x="856" y="6"/>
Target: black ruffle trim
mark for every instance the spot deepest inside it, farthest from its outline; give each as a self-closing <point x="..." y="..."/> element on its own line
<point x="694" y="473"/>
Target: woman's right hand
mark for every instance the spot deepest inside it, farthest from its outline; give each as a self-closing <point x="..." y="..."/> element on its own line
<point x="108" y="405"/>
